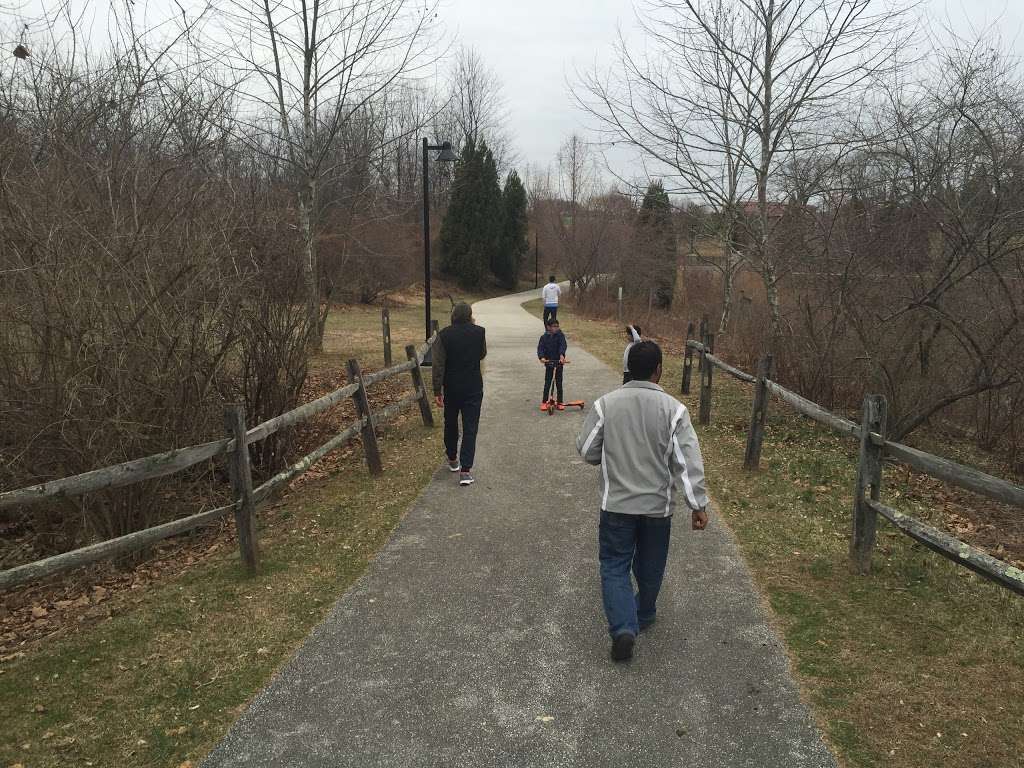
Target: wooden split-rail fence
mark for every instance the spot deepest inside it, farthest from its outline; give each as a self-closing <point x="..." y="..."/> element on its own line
<point x="874" y="448"/>
<point x="246" y="498"/>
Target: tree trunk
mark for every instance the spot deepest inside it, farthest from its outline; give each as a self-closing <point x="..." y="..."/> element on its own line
<point x="309" y="268"/>
<point x="772" y="295"/>
<point x="727" y="281"/>
<point x="728" y="278"/>
<point x="764" y="167"/>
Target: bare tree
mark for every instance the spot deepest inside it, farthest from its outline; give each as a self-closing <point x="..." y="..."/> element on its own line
<point x="315" y="66"/>
<point x="477" y="106"/>
<point x="588" y="226"/>
<point x="682" y="104"/>
<point x="577" y="176"/>
<point x="909" y="274"/>
<point x="729" y="90"/>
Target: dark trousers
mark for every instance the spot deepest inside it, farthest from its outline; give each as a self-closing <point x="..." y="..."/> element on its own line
<point x="634" y="542"/>
<point x="552" y="372"/>
<point x="550" y="314"/>
<point x="469" y="407"/>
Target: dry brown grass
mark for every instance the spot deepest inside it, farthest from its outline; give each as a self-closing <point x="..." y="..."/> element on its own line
<point x="918" y="665"/>
<point x="172" y="653"/>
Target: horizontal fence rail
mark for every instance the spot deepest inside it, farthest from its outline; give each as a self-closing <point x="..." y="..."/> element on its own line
<point x="128" y="473"/>
<point x="122" y="545"/>
<point x="950" y="547"/>
<point x="874" y="448"/>
<point x="300" y="414"/>
<point x="246" y="497"/>
<point x="302" y="465"/>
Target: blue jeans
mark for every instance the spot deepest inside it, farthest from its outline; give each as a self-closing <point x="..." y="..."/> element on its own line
<point x="634" y="542"/>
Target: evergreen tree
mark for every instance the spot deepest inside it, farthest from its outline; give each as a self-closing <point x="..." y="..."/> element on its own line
<point x="655" y="244"/>
<point x="471" y="229"/>
<point x="513" y="243"/>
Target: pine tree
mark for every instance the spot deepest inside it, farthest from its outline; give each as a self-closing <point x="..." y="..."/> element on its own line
<point x="513" y="244"/>
<point x="655" y="244"/>
<point x="471" y="228"/>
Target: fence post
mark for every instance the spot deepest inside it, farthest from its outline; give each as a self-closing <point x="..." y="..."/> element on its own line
<point x="620" y="304"/>
<point x="752" y="457"/>
<point x="705" y="382"/>
<point x="368" y="433"/>
<point x="241" y="484"/>
<point x="417" y="382"/>
<point x="869" y="481"/>
<point x="385" y="323"/>
<point x="687" y="361"/>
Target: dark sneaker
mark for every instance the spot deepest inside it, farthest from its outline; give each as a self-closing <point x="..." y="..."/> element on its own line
<point x="466" y="479"/>
<point x="454" y="466"/>
<point x="645" y="625"/>
<point x="622" y="646"/>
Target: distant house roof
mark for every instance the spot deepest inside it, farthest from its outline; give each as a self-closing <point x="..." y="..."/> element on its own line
<point x="775" y="210"/>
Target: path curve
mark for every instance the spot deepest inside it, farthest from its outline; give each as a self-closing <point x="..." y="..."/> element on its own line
<point x="476" y="637"/>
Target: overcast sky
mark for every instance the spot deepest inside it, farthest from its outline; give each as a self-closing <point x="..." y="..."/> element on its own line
<point x="535" y="46"/>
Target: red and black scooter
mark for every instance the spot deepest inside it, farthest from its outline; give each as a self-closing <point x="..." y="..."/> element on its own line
<point x="552" y="404"/>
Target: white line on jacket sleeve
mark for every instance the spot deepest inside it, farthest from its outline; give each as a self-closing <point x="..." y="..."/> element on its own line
<point x="595" y="431"/>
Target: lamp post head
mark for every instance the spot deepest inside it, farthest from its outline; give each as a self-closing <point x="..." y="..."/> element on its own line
<point x="447" y="155"/>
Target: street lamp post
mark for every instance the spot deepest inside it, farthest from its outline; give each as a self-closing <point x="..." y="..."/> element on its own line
<point x="446" y="156"/>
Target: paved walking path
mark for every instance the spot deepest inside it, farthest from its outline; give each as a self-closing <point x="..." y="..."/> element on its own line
<point x="476" y="637"/>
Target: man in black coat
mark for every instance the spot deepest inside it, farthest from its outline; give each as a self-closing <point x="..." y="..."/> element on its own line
<point x="459" y="387"/>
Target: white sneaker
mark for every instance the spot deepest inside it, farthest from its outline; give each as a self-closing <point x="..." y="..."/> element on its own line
<point x="466" y="479"/>
<point x="454" y="466"/>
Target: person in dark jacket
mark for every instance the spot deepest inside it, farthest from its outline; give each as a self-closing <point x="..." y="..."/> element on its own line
<point x="459" y="387"/>
<point x="551" y="352"/>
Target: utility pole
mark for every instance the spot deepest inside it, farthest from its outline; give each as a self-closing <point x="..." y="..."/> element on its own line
<point x="536" y="260"/>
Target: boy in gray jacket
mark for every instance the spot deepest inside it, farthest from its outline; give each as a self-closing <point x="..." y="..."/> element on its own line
<point x="646" y="446"/>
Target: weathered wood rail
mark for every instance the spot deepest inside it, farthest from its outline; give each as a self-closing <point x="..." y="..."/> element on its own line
<point x="874" y="448"/>
<point x="246" y="498"/>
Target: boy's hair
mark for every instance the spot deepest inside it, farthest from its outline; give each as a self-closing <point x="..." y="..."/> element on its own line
<point x="550" y="323"/>
<point x="461" y="313"/>
<point x="551" y="278"/>
<point x="644" y="359"/>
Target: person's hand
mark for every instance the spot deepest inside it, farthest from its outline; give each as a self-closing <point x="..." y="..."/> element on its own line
<point x="543" y="360"/>
<point x="700" y="519"/>
<point x="439" y="399"/>
<point x="561" y="359"/>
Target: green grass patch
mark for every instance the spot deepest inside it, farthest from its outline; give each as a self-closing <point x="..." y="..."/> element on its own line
<point x="917" y="665"/>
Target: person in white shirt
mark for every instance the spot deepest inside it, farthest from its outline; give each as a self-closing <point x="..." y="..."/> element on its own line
<point x="633" y="334"/>
<point x="550" y="294"/>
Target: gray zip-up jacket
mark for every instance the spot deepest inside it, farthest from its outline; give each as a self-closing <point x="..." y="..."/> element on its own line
<point x="644" y="442"/>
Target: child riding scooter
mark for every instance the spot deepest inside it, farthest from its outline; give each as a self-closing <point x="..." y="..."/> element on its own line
<point x="551" y="349"/>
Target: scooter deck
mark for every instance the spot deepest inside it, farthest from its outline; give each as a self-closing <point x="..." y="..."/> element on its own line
<point x="551" y="406"/>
